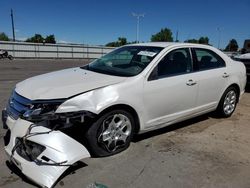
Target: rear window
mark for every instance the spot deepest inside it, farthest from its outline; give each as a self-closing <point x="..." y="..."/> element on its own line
<point x="207" y="59"/>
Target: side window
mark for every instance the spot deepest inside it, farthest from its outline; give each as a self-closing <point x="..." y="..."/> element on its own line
<point x="207" y="59"/>
<point x="174" y="63"/>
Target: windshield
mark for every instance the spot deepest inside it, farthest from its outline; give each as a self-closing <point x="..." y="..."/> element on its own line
<point x="125" y="61"/>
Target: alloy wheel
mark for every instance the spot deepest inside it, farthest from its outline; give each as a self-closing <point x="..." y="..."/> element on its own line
<point x="115" y="131"/>
<point x="230" y="102"/>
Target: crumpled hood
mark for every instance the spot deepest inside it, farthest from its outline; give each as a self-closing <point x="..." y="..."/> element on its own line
<point x="64" y="84"/>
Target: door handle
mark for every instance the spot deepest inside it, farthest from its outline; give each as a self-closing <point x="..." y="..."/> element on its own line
<point x="225" y="75"/>
<point x="191" y="82"/>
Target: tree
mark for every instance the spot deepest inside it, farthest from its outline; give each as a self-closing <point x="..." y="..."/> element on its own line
<point x="50" y="39"/>
<point x="232" y="46"/>
<point x="37" y="38"/>
<point x="201" y="40"/>
<point x="165" y="35"/>
<point x="111" y="44"/>
<point x="204" y="40"/>
<point x="4" y="37"/>
<point x="120" y="42"/>
<point x="192" y="41"/>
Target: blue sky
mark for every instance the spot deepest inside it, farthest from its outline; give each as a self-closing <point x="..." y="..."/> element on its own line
<point x="102" y="21"/>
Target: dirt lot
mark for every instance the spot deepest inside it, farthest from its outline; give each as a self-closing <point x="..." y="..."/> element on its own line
<point x="202" y="152"/>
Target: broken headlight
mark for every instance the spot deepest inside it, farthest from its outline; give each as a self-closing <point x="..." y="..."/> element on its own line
<point x="42" y="111"/>
<point x="45" y="112"/>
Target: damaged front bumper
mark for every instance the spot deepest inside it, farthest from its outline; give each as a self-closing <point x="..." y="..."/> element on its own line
<point x="54" y="151"/>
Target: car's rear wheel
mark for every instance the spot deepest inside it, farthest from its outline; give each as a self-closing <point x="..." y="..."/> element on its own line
<point x="228" y="102"/>
<point x="111" y="133"/>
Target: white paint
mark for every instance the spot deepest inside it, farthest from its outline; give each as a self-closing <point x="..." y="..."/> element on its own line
<point x="64" y="84"/>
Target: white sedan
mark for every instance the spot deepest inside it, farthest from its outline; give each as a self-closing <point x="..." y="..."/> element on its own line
<point x="56" y="119"/>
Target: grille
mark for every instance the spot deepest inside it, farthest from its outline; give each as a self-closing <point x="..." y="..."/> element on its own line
<point x="17" y="105"/>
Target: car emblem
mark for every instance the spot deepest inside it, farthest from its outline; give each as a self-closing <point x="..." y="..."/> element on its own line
<point x="31" y="106"/>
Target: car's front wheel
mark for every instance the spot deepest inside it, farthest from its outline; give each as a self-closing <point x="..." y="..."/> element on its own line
<point x="228" y="102"/>
<point x="111" y="133"/>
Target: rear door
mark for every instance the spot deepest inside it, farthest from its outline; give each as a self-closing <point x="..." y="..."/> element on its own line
<point x="211" y="75"/>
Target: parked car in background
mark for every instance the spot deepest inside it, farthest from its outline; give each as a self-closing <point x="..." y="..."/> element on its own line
<point x="56" y="119"/>
<point x="244" y="58"/>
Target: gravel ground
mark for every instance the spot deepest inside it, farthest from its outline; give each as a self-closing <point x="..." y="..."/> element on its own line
<point x="202" y="152"/>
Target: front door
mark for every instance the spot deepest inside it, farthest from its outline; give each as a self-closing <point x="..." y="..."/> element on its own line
<point x="170" y="91"/>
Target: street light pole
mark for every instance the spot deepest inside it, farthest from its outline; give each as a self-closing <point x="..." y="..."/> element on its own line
<point x="219" y="39"/>
<point x="13" y="26"/>
<point x="176" y="39"/>
<point x="138" y="16"/>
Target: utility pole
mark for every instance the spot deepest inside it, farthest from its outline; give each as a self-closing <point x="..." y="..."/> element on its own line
<point x="13" y="26"/>
<point x="138" y="16"/>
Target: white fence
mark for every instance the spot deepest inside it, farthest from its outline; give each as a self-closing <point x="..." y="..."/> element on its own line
<point x="53" y="51"/>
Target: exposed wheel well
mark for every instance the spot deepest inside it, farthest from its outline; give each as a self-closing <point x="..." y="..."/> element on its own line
<point x="128" y="109"/>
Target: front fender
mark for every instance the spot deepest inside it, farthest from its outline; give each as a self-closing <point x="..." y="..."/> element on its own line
<point x="94" y="101"/>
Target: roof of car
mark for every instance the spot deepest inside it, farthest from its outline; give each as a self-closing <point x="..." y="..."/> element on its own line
<point x="165" y="44"/>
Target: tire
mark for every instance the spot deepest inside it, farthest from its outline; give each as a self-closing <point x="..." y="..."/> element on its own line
<point x="228" y="102"/>
<point x="110" y="134"/>
<point x="10" y="57"/>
